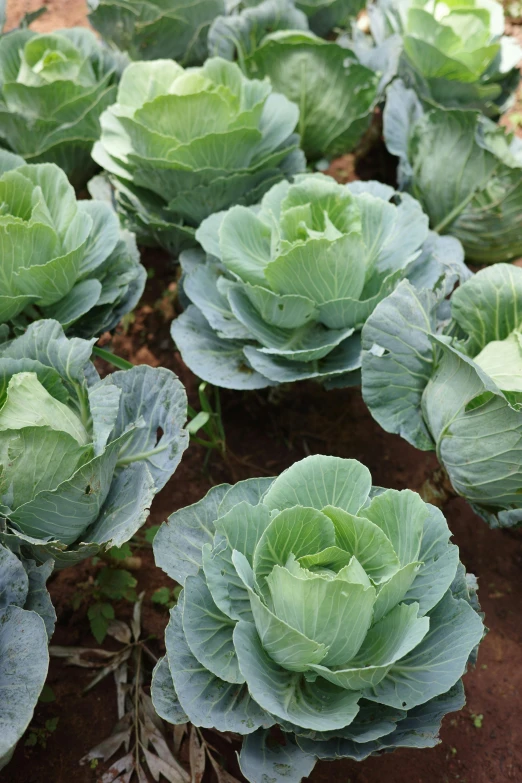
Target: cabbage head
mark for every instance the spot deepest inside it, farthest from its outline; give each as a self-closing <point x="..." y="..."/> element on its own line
<point x="464" y="170"/>
<point x="286" y="286"/>
<point x="335" y="94"/>
<point x="234" y="36"/>
<point x="452" y="382"/>
<point x="53" y="88"/>
<point x="316" y="603"/>
<point x="320" y="16"/>
<point x="152" y="29"/>
<point x="80" y="458"/>
<point x="182" y="144"/>
<point x="27" y="620"/>
<point x="453" y="53"/>
<point x="62" y="258"/>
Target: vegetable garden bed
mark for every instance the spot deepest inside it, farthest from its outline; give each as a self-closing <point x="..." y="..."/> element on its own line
<point x="266" y="432"/>
<point x="479" y="744"/>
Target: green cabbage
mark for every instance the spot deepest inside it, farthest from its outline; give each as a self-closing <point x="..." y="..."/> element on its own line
<point x="182" y="144"/>
<point x="336" y="611"/>
<point x="152" y="29"/>
<point x="322" y="15"/>
<point x="53" y="88"/>
<point x="452" y="53"/>
<point x="286" y="286"/>
<point x="236" y="35"/>
<point x="80" y="458"/>
<point x="62" y="258"/>
<point x="27" y="620"/>
<point x="452" y="382"/>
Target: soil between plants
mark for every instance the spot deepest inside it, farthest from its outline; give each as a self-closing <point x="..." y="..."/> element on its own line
<point x="267" y="432"/>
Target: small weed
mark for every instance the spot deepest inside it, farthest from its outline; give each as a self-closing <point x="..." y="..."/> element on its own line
<point x="110" y="584"/>
<point x="150" y="533"/>
<point x="47" y="695"/>
<point x="477" y="720"/>
<point x="165" y="596"/>
<point x="39" y="736"/>
<point x="208" y="421"/>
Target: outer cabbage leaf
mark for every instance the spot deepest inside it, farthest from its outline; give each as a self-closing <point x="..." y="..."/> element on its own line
<point x="323" y="15"/>
<point x="26" y="620"/>
<point x="335" y="94"/>
<point x="161" y="28"/>
<point x="238" y="34"/>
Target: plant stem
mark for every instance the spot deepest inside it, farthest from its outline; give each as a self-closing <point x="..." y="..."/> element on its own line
<point x="117" y="361"/>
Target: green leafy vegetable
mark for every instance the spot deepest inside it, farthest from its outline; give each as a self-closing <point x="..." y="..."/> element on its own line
<point x="334" y="92"/>
<point x="27" y="620"/>
<point x="320" y="16"/>
<point x="286" y="286"/>
<point x="313" y="602"/>
<point x="182" y="144"/>
<point x="80" y="458"/>
<point x="452" y="53"/>
<point x="465" y="171"/>
<point x="62" y="258"/>
<point x="324" y="15"/>
<point x="53" y="88"/>
<point x="238" y="34"/>
<point x="455" y="385"/>
<point x="151" y="29"/>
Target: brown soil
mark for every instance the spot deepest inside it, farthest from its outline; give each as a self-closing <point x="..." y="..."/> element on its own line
<point x="266" y="432"/>
<point x="60" y="13"/>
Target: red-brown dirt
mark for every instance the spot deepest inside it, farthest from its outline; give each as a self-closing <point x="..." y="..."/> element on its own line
<point x="266" y="433"/>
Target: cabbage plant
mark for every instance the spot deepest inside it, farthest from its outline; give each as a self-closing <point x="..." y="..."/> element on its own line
<point x="325" y="15"/>
<point x="81" y="458"/>
<point x="152" y="29"/>
<point x="320" y="16"/>
<point x="26" y="620"/>
<point x="62" y="258"/>
<point x="452" y="53"/>
<point x="53" y="88"/>
<point x="235" y="35"/>
<point x="316" y="603"/>
<point x="452" y="382"/>
<point x="465" y="171"/>
<point x="286" y="286"/>
<point x="335" y="94"/>
<point x="182" y="144"/>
